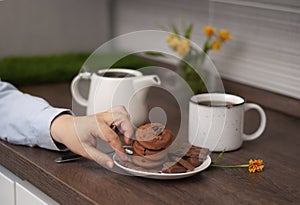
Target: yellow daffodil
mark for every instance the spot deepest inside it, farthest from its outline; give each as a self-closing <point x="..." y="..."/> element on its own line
<point x="224" y="35"/>
<point x="179" y="41"/>
<point x="209" y="30"/>
<point x="256" y="165"/>
<point x="185" y="42"/>
<point x="170" y="37"/>
<point x="213" y="41"/>
<point x="216" y="45"/>
<point x="174" y="42"/>
<point x="183" y="47"/>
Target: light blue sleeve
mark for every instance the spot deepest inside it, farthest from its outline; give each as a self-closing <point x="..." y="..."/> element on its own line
<point x="25" y="119"/>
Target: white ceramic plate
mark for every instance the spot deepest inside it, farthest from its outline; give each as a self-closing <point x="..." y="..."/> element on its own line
<point x="151" y="175"/>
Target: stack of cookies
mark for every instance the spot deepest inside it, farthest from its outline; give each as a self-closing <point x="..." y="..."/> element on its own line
<point x="150" y="146"/>
<point x="152" y="152"/>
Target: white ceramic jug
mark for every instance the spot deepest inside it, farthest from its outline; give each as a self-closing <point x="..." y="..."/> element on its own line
<point x="113" y="87"/>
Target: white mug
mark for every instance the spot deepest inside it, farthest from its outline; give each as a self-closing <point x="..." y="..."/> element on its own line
<point x="216" y="121"/>
<point x="114" y="87"/>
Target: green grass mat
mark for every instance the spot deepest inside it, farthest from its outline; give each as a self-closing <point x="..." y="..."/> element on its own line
<point x="53" y="68"/>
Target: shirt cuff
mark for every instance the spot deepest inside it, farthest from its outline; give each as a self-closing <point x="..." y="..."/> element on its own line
<point x="42" y="128"/>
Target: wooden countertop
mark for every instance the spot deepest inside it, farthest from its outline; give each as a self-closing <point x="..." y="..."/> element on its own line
<point x="85" y="182"/>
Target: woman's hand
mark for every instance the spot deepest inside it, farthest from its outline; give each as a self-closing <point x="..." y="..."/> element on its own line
<point x="79" y="133"/>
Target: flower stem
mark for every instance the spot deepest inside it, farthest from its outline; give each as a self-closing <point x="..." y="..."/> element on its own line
<point x="230" y="166"/>
<point x="218" y="157"/>
<point x="207" y="45"/>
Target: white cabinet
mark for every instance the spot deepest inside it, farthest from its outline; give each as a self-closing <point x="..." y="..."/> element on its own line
<point x="14" y="191"/>
<point x="27" y="194"/>
<point x="7" y="187"/>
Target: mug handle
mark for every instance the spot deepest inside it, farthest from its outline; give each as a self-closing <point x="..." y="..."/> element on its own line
<point x="263" y="120"/>
<point x="75" y="89"/>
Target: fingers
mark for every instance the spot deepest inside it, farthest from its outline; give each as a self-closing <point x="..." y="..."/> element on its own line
<point x="127" y="140"/>
<point x="120" y="109"/>
<point x="99" y="157"/>
<point x="120" y="117"/>
<point x="126" y="128"/>
<point x="122" y="120"/>
<point x="108" y="135"/>
<point x="86" y="129"/>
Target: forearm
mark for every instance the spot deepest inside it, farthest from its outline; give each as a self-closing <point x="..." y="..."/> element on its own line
<point x="63" y="131"/>
<point x="25" y="119"/>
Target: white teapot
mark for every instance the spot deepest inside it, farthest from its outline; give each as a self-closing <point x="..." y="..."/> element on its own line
<point x="113" y="87"/>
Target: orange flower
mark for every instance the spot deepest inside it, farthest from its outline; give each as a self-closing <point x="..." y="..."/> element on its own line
<point x="224" y="35"/>
<point x="256" y="165"/>
<point x="209" y="30"/>
<point x="216" y="45"/>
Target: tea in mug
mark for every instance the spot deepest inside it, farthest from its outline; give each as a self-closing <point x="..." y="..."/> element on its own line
<point x="214" y="103"/>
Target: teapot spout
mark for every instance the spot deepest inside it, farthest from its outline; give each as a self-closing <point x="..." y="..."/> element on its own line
<point x="146" y="81"/>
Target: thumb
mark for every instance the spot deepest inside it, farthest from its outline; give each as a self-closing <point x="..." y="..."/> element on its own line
<point x="99" y="157"/>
